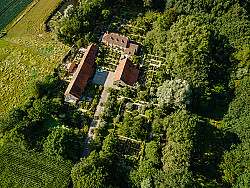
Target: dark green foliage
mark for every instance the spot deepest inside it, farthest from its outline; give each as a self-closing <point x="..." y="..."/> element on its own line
<point x="23" y="168"/>
<point x="62" y="143"/>
<point x="172" y="178"/>
<point x="235" y="164"/>
<point x="156" y="38"/>
<point x="149" y="165"/>
<point x="134" y="127"/>
<point x="79" y="21"/>
<point x="154" y="4"/>
<point x="100" y="169"/>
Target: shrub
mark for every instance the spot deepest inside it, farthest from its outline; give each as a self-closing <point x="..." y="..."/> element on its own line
<point x="117" y="118"/>
<point x="135" y="113"/>
<point x="129" y="106"/>
<point x="141" y="109"/>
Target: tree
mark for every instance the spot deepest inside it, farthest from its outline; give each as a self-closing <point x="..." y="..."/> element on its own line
<point x="148" y="167"/>
<point x="62" y="143"/>
<point x="110" y="145"/>
<point x="235" y="164"/>
<point x="149" y="115"/>
<point x="156" y="38"/>
<point x="155" y="4"/>
<point x="174" y="93"/>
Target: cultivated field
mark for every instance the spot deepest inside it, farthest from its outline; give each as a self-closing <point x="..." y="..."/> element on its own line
<point x="21" y="168"/>
<point x="20" y="65"/>
<point x="9" y="9"/>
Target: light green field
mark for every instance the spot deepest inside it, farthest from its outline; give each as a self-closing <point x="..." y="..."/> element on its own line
<point x="20" y="65"/>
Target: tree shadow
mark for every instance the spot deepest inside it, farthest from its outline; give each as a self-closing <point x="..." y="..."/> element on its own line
<point x="214" y="100"/>
<point x="209" y="147"/>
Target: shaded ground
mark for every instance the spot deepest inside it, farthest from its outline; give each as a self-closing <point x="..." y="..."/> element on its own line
<point x="100" y="77"/>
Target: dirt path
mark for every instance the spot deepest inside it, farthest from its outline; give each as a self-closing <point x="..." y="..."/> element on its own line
<point x="95" y="122"/>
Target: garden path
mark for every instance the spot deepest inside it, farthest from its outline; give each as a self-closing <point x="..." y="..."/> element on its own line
<point x="95" y="122"/>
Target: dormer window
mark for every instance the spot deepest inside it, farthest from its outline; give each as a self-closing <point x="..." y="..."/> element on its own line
<point x="117" y="39"/>
<point x="122" y="41"/>
<point x="111" y="38"/>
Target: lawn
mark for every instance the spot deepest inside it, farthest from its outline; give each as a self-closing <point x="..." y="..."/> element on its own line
<point x="20" y="65"/>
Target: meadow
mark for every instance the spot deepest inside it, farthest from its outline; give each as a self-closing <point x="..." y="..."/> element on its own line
<point x="20" y="65"/>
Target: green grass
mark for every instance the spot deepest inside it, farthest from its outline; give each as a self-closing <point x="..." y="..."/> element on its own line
<point x="20" y="65"/>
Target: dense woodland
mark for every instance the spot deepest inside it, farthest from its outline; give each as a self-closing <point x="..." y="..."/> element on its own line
<point x="199" y="114"/>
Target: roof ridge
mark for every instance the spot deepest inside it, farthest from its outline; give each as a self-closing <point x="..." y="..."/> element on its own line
<point x="123" y="66"/>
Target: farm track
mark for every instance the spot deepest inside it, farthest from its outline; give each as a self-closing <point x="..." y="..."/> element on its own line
<point x="42" y="51"/>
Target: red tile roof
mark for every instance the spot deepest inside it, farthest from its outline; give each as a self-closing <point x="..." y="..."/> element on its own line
<point x="89" y="55"/>
<point x="127" y="72"/>
<point x="71" y="66"/>
<point x="115" y="39"/>
<point x="132" y="48"/>
<point x="82" y="74"/>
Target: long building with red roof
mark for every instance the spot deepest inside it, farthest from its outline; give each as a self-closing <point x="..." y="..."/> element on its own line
<point x="82" y="74"/>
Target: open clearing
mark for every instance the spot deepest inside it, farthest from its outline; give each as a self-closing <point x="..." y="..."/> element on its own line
<point x="20" y="65"/>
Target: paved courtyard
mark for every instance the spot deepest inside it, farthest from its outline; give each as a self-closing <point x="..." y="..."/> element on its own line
<point x="100" y="77"/>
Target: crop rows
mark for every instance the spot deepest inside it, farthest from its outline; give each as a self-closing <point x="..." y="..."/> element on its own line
<point x="10" y="9"/>
<point x="32" y="169"/>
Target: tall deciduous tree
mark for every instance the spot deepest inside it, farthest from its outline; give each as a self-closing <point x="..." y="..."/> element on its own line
<point x="62" y="142"/>
<point x="174" y="93"/>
